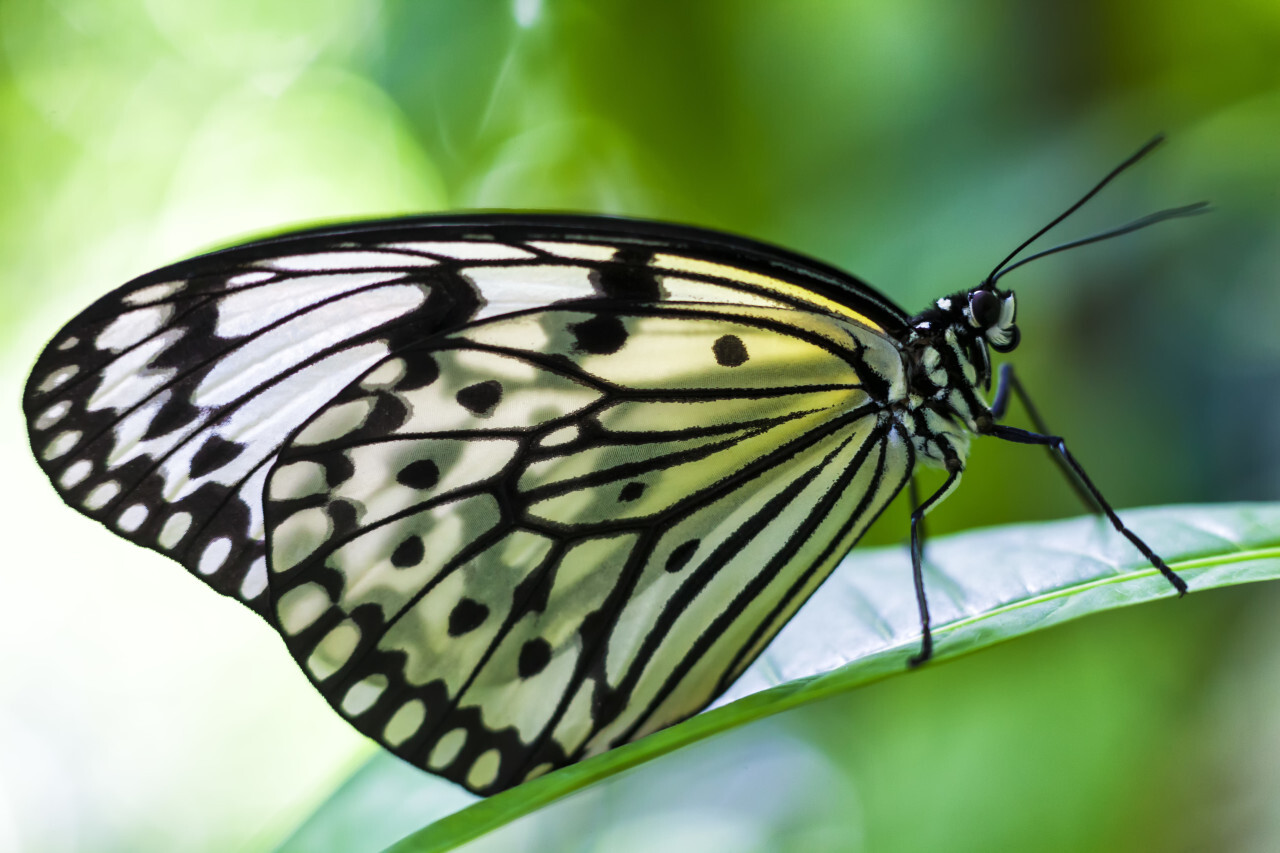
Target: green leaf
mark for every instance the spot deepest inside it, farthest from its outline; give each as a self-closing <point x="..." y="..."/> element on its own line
<point x="985" y="587"/>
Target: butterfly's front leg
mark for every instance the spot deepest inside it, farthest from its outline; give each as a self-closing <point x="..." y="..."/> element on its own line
<point x="1058" y="446"/>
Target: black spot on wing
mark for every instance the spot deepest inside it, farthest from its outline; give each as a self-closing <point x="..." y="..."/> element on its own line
<point x="631" y="491"/>
<point x="481" y="398"/>
<point x="420" y="371"/>
<point x="534" y="657"/>
<point x="729" y="351"/>
<point x="680" y="555"/>
<point x="338" y="467"/>
<point x="422" y="474"/>
<point x="344" y="516"/>
<point x="212" y="455"/>
<point x="628" y="276"/>
<point x="603" y="334"/>
<point x="408" y="553"/>
<point x="467" y="615"/>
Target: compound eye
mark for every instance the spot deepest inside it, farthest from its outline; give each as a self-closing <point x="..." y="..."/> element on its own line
<point x="984" y="308"/>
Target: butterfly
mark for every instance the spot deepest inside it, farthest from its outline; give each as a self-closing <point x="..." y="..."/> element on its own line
<point x="518" y="488"/>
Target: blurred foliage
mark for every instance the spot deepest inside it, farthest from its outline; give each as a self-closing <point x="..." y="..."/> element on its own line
<point x="912" y="143"/>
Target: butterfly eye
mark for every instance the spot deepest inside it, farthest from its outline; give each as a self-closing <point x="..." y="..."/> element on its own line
<point x="984" y="308"/>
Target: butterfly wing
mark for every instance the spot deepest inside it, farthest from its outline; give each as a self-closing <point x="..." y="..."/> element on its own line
<point x="540" y="536"/>
<point x="158" y="410"/>
<point x="633" y="450"/>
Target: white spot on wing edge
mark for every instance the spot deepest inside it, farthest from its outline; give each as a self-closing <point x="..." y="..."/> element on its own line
<point x="255" y="580"/>
<point x="540" y="770"/>
<point x="101" y="495"/>
<point x="363" y="695"/>
<point x="405" y="722"/>
<point x="75" y="473"/>
<point x="68" y="343"/>
<point x="57" y="378"/>
<point x="132" y="518"/>
<point x="298" y="608"/>
<point x="61" y="444"/>
<point x="214" y="555"/>
<point x="447" y="749"/>
<point x="175" y="527"/>
<point x="52" y="415"/>
<point x="485" y="769"/>
<point x="333" y="652"/>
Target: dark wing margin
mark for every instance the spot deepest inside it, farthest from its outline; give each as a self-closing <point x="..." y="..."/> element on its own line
<point x="544" y="535"/>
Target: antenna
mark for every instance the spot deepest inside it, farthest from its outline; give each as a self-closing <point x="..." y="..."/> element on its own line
<point x="1152" y="219"/>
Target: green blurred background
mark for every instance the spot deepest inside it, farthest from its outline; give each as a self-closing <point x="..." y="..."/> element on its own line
<point x="913" y="143"/>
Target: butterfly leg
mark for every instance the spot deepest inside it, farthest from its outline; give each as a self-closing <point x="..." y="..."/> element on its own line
<point x="954" y="469"/>
<point x="1008" y="386"/>
<point x="1057" y="445"/>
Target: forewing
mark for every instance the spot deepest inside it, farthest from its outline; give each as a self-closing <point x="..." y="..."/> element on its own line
<point x="158" y="410"/>
<point x="544" y="535"/>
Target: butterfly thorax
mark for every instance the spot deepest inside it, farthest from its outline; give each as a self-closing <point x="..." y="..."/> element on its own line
<point x="948" y="364"/>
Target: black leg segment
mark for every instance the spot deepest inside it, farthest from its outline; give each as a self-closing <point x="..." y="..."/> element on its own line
<point x="1057" y="445"/>
<point x="1009" y="385"/>
<point x="917" y="558"/>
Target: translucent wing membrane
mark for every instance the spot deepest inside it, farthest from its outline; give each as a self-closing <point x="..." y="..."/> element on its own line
<point x="548" y="534"/>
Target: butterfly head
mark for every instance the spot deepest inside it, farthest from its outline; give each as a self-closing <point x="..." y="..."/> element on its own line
<point x="966" y="324"/>
<point x="984" y="314"/>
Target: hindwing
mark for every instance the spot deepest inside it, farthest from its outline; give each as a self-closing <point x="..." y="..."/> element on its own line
<point x="540" y="536"/>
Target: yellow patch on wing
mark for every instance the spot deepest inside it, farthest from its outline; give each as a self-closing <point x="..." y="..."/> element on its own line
<point x="694" y="266"/>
